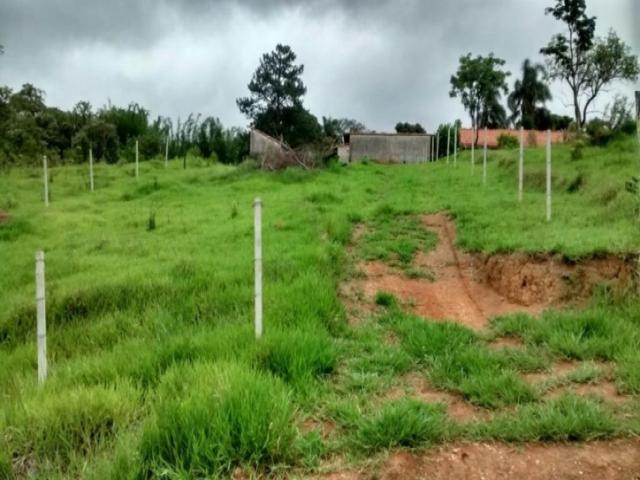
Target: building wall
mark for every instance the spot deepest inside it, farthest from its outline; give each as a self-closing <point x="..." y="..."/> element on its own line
<point x="390" y="147"/>
<point x="532" y="138"/>
<point x="260" y="144"/>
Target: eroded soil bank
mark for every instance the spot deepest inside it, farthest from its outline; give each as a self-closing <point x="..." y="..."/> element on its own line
<point x="471" y="288"/>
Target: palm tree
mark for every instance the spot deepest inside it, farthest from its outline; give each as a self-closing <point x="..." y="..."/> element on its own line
<point x="528" y="94"/>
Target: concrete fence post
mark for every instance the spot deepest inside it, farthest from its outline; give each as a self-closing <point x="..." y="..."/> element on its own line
<point x="638" y="114"/>
<point x="484" y="159"/>
<point x="46" y="180"/>
<point x="448" y="143"/>
<point x="41" y="326"/>
<point x="455" y="146"/>
<point x="257" y="228"/>
<point x="166" y="152"/>
<point x="91" y="169"/>
<point x="548" y="175"/>
<point x="521" y="166"/>
<point x="473" y="150"/>
<point x="137" y="161"/>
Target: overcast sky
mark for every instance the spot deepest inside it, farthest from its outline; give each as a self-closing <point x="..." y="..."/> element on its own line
<point x="378" y="61"/>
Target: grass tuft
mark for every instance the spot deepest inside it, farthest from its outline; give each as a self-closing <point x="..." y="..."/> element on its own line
<point x="210" y="417"/>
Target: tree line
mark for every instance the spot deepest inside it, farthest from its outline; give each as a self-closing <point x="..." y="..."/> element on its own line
<point x="29" y="129"/>
<point x="577" y="57"/>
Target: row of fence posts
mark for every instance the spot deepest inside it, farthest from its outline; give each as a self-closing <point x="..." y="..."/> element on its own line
<point x="520" y="158"/>
<point x="41" y="325"/>
<point x="41" y="316"/>
<point x="45" y="166"/>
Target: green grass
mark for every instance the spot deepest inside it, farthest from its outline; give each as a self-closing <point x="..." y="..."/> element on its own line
<point x="150" y="303"/>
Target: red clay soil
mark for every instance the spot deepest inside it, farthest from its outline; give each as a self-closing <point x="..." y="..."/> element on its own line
<point x="472" y="288"/>
<point x="596" y="460"/>
<point x="415" y="386"/>
<point x="602" y="460"/>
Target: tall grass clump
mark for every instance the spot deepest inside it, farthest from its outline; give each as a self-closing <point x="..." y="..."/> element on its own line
<point x="568" y="417"/>
<point x="54" y="426"/>
<point x="297" y="356"/>
<point x="403" y="423"/>
<point x="210" y="417"/>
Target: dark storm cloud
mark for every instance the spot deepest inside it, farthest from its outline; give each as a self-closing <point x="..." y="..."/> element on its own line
<point x="380" y="61"/>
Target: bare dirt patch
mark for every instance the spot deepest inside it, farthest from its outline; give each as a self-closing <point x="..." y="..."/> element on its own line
<point x="4" y="216"/>
<point x="472" y="288"/>
<point x="602" y="460"/>
<point x="506" y="342"/>
<point x="457" y="408"/>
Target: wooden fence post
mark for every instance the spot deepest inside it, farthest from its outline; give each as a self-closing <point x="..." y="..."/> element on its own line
<point x="46" y="180"/>
<point x="257" y="228"/>
<point x="41" y="327"/>
<point x="484" y="159"/>
<point x="91" y="168"/>
<point x="521" y="166"/>
<point x="437" y="145"/>
<point x="548" y="175"/>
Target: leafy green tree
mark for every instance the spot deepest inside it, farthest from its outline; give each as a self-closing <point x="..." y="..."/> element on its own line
<point x="334" y="128"/>
<point x="529" y="94"/>
<point x="584" y="62"/>
<point x="275" y="101"/>
<point x="405" y="127"/>
<point x="480" y="83"/>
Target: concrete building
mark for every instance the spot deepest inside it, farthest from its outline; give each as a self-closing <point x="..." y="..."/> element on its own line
<point x="390" y="147"/>
<point x="262" y="145"/>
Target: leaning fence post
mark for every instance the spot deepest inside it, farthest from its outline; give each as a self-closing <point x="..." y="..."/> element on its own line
<point x="46" y="180"/>
<point x="521" y="166"/>
<point x="448" y="142"/>
<point x="257" y="228"/>
<point x="91" y="168"/>
<point x="455" y="146"/>
<point x="473" y="150"/>
<point x="484" y="159"/>
<point x="548" y="175"/>
<point x="41" y="327"/>
<point x="137" y="162"/>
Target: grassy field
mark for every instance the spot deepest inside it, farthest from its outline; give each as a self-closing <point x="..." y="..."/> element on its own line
<point x="154" y="371"/>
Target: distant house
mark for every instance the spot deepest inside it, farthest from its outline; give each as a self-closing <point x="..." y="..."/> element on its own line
<point x="389" y="147"/>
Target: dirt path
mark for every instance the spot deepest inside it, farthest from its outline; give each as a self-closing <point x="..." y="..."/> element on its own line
<point x="457" y="293"/>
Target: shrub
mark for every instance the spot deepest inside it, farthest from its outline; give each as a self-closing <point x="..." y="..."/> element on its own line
<point x="405" y="423"/>
<point x="297" y="356"/>
<point x="210" y="417"/>
<point x="507" y="142"/>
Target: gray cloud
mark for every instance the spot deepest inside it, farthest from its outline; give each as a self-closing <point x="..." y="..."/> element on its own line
<point x="379" y="61"/>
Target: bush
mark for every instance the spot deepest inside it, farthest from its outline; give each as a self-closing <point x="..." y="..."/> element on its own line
<point x="210" y="417"/>
<point x="297" y="356"/>
<point x="56" y="425"/>
<point x="507" y="142"/>
<point x="405" y="423"/>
